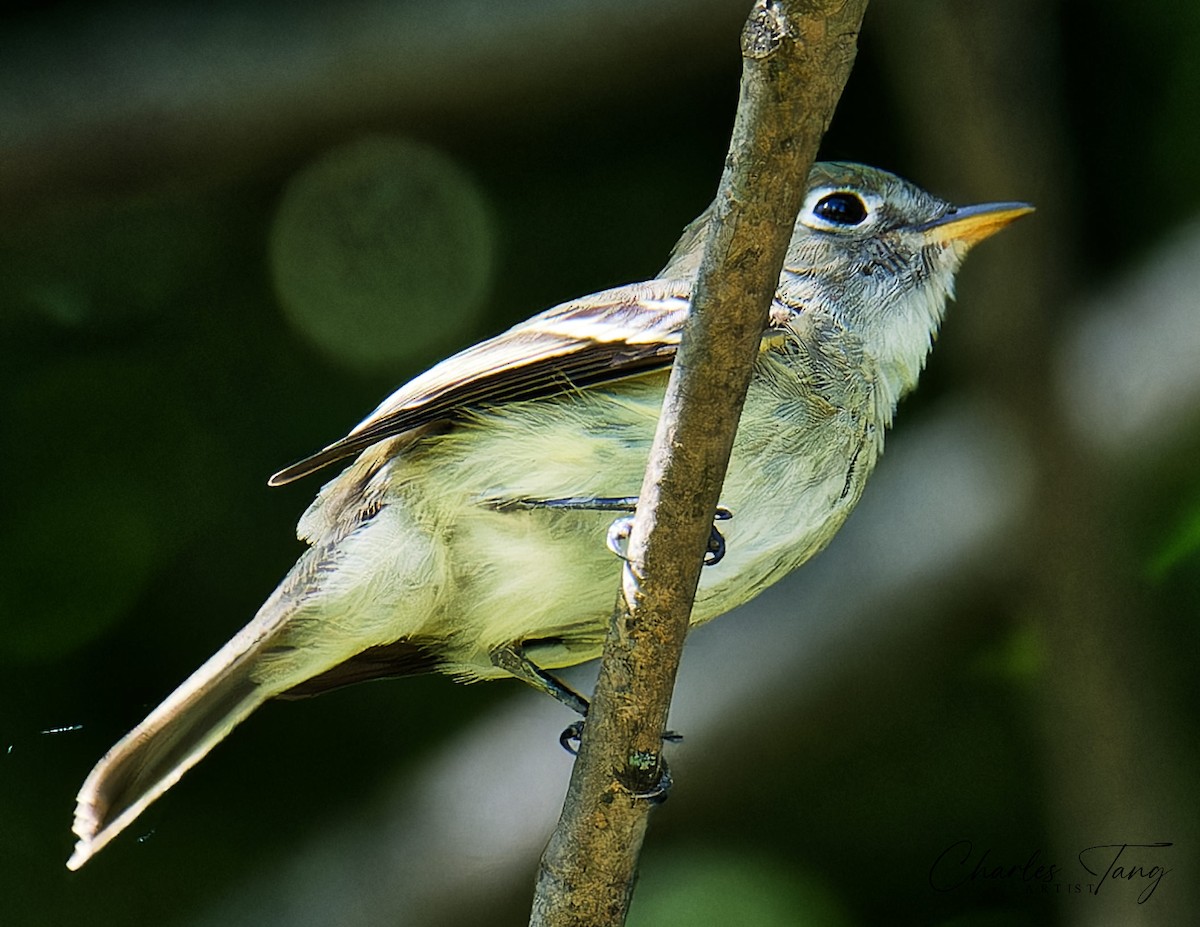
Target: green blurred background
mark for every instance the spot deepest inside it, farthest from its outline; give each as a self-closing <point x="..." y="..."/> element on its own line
<point x="228" y="230"/>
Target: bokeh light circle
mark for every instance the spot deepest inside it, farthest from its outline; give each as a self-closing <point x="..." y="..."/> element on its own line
<point x="382" y="252"/>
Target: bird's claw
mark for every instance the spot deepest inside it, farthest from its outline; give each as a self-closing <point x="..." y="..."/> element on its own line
<point x="715" y="552"/>
<point x="618" y="533"/>
<point x="573" y="733"/>
<point x="659" y="792"/>
<point x="571" y="736"/>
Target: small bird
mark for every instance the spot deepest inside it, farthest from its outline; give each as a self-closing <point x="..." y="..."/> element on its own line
<point x="468" y="536"/>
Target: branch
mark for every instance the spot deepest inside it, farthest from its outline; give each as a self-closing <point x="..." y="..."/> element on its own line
<point x="797" y="56"/>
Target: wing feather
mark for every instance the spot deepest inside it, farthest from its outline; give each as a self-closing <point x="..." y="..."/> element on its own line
<point x="611" y="335"/>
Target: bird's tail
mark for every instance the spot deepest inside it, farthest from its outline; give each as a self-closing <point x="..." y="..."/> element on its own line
<point x="298" y="644"/>
<point x="174" y="737"/>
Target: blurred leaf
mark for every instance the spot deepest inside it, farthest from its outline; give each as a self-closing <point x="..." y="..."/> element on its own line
<point x="716" y="888"/>
<point x="1180" y="545"/>
<point x="1020" y="655"/>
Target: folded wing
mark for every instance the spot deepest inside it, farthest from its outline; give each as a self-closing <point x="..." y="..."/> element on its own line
<point x="611" y="335"/>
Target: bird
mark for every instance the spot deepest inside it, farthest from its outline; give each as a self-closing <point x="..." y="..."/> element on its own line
<point x="469" y="533"/>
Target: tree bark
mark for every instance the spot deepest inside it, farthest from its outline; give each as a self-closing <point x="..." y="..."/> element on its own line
<point x="797" y="55"/>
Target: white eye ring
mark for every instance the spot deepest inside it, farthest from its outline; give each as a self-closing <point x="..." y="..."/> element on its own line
<point x="837" y="209"/>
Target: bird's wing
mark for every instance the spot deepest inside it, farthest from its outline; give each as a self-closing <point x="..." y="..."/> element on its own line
<point x="611" y="335"/>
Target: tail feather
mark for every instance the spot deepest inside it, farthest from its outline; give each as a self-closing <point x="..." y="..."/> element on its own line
<point x="298" y="635"/>
<point x="174" y="737"/>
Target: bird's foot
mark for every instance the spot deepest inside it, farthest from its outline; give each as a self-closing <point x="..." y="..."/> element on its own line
<point x="573" y="733"/>
<point x="571" y="736"/>
<point x="657" y="793"/>
<point x="715" y="552"/>
<point x="618" y="534"/>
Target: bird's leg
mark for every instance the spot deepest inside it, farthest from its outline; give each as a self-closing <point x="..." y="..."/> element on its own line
<point x="512" y="659"/>
<point x="618" y="532"/>
<point x="580" y="503"/>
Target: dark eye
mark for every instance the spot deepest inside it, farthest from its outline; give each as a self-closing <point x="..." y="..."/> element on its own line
<point x="841" y="209"/>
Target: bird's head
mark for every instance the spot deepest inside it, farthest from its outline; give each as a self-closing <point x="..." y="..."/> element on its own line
<point x="880" y="254"/>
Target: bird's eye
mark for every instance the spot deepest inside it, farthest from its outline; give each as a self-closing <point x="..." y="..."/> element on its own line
<point x="841" y="208"/>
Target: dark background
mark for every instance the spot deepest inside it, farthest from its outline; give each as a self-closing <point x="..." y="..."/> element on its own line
<point x="228" y="230"/>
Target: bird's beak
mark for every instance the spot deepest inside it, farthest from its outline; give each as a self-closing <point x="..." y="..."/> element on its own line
<point x="972" y="224"/>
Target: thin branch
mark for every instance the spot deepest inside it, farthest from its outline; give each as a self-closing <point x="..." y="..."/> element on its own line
<point x="796" y="59"/>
